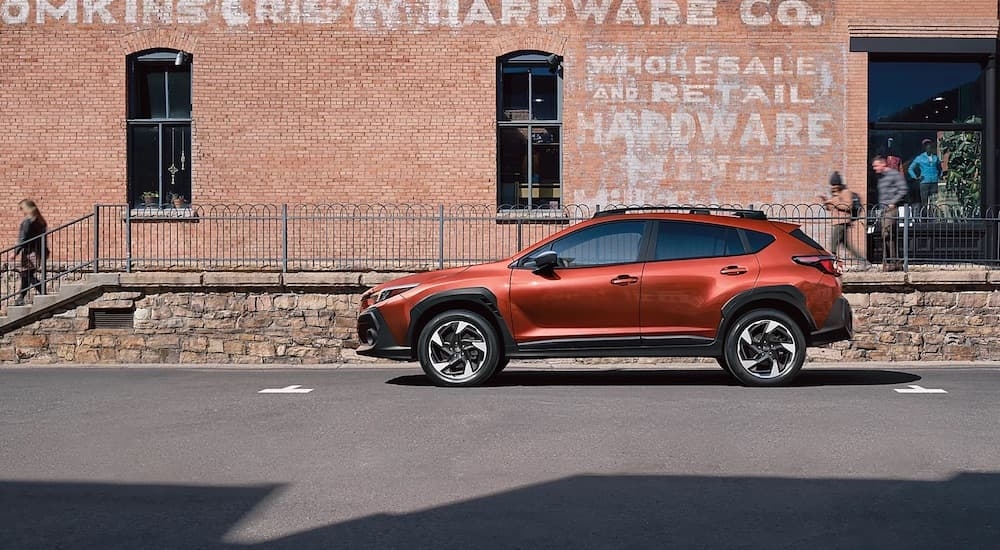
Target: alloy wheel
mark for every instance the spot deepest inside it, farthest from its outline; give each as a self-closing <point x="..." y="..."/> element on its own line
<point x="457" y="350"/>
<point x="766" y="349"/>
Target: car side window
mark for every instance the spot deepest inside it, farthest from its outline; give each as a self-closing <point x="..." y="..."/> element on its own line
<point x="689" y="240"/>
<point x="758" y="241"/>
<point x="597" y="245"/>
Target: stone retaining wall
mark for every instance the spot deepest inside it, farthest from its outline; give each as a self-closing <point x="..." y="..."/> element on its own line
<point x="309" y="318"/>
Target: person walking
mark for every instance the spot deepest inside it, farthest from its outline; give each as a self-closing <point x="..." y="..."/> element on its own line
<point x="29" y="247"/>
<point x="841" y="206"/>
<point x="892" y="192"/>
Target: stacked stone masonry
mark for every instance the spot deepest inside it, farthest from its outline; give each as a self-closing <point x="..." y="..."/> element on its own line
<point x="234" y="319"/>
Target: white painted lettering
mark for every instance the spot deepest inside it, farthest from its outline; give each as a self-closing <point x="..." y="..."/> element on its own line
<point x="191" y="12"/>
<point x="15" y="12"/>
<point x="754" y="130"/>
<point x="514" y="12"/>
<point x="131" y="11"/>
<point x="682" y="129"/>
<point x="752" y="16"/>
<point x="153" y="10"/>
<point x="817" y="129"/>
<point x="788" y="128"/>
<point x="665" y="92"/>
<point x="591" y="9"/>
<point x="694" y="93"/>
<point x="665" y="12"/>
<point x="479" y="12"/>
<point x="728" y="65"/>
<point x="628" y="12"/>
<point x="655" y="65"/>
<point x="798" y="13"/>
<point x="44" y="9"/>
<point x="805" y="66"/>
<point x="551" y="12"/>
<point x="755" y="93"/>
<point x="703" y="64"/>
<point x="721" y="125"/>
<point x="318" y="14"/>
<point x="271" y="10"/>
<point x="702" y="12"/>
<point x="232" y="13"/>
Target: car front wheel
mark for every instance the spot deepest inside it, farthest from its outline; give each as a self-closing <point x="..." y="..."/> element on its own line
<point x="458" y="348"/>
<point x="765" y="348"/>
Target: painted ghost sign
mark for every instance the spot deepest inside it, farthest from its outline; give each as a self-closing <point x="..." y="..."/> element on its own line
<point x="709" y="118"/>
<point x="417" y="14"/>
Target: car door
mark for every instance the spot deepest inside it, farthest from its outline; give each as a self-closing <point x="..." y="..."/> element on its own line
<point x="693" y="270"/>
<point x="591" y="299"/>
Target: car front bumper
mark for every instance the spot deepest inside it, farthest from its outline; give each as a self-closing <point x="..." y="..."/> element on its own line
<point x="376" y="340"/>
<point x="839" y="325"/>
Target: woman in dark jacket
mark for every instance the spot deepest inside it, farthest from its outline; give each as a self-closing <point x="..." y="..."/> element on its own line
<point x="29" y="242"/>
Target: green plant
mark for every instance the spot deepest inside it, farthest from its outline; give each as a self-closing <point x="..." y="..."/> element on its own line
<point x="149" y="196"/>
<point x="964" y="153"/>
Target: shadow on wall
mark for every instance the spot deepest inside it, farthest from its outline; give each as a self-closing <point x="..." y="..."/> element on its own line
<point x="690" y="377"/>
<point x="597" y="512"/>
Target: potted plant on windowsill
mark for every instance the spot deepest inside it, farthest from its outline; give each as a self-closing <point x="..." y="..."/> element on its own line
<point x="178" y="200"/>
<point x="149" y="199"/>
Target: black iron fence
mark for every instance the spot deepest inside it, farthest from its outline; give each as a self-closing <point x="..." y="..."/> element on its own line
<point x="395" y="237"/>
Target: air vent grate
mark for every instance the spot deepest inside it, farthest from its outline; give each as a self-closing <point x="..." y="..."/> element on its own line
<point x="117" y="318"/>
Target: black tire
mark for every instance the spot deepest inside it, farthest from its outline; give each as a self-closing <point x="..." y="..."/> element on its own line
<point x="766" y="360"/>
<point x="504" y="361"/>
<point x="725" y="366"/>
<point x="462" y="336"/>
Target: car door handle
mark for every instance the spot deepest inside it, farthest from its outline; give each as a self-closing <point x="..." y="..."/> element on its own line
<point x="624" y="280"/>
<point x="734" y="270"/>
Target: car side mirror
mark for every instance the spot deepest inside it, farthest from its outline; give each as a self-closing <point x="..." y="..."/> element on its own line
<point x="546" y="262"/>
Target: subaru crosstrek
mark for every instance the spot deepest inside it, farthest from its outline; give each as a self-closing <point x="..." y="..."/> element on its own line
<point x="732" y="285"/>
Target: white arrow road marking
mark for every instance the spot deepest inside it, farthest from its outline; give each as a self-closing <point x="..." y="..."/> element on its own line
<point x="918" y="389"/>
<point x="287" y="389"/>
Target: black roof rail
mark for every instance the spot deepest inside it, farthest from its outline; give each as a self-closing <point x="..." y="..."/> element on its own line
<point x="738" y="212"/>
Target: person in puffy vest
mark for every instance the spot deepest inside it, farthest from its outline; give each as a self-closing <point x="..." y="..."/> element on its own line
<point x="841" y="206"/>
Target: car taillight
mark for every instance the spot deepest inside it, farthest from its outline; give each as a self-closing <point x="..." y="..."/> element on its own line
<point x="826" y="264"/>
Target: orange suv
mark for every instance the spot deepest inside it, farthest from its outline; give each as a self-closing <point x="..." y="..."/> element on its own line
<point x="638" y="282"/>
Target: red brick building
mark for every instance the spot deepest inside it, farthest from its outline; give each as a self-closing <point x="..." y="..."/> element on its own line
<point x="484" y="101"/>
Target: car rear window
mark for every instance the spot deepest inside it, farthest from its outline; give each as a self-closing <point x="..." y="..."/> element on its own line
<point x="688" y="240"/>
<point x="758" y="241"/>
<point x="798" y="234"/>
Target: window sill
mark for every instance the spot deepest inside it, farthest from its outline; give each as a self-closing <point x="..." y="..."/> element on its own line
<point x="533" y="216"/>
<point x="157" y="214"/>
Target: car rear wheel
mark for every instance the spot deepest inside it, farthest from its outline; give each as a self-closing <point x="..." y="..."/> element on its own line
<point x="458" y="348"/>
<point x="765" y="348"/>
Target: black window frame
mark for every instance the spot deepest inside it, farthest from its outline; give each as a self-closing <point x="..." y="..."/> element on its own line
<point x="166" y="58"/>
<point x="529" y="59"/>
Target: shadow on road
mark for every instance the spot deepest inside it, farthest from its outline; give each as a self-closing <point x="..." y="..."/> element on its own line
<point x="577" y="512"/>
<point x="689" y="377"/>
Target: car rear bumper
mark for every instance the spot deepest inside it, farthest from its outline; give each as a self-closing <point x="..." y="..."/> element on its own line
<point x="839" y="325"/>
<point x="375" y="339"/>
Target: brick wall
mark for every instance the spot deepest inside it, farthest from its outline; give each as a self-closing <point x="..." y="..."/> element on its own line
<point x="190" y="318"/>
<point x="377" y="101"/>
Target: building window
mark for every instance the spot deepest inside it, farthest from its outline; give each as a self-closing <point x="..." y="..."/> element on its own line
<point x="159" y="129"/>
<point x="925" y="114"/>
<point x="529" y="130"/>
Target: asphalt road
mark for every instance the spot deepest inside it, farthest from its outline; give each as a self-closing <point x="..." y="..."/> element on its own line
<point x="191" y="459"/>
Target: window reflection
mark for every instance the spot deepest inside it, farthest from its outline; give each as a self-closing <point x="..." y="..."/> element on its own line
<point x="925" y="92"/>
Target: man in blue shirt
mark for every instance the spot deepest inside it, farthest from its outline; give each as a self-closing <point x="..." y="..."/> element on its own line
<point x="928" y="164"/>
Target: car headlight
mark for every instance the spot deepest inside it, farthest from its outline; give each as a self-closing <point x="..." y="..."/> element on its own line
<point x="391" y="291"/>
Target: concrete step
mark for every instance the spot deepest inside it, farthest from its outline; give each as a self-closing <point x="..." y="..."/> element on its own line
<point x="16" y="312"/>
<point x="48" y="300"/>
<point x="102" y="279"/>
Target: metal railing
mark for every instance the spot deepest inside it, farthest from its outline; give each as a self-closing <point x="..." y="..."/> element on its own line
<point x="395" y="237"/>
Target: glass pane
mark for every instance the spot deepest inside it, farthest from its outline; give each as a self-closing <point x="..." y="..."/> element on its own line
<point x="544" y="94"/>
<point x="180" y="92"/>
<point x="143" y="163"/>
<point x="156" y="94"/>
<point x="514" y="89"/>
<point x="944" y="169"/>
<point x="684" y="241"/>
<point x="546" y="167"/>
<point x="176" y="150"/>
<point x="513" y="161"/>
<point x="929" y="92"/>
<point x="605" y="244"/>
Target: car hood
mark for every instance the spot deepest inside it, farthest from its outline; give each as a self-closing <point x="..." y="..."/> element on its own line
<point x="422" y="278"/>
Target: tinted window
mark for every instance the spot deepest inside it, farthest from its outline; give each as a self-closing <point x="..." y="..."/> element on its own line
<point x="605" y="244"/>
<point x="758" y="241"/>
<point x="925" y="91"/>
<point x="798" y="234"/>
<point x="685" y="240"/>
